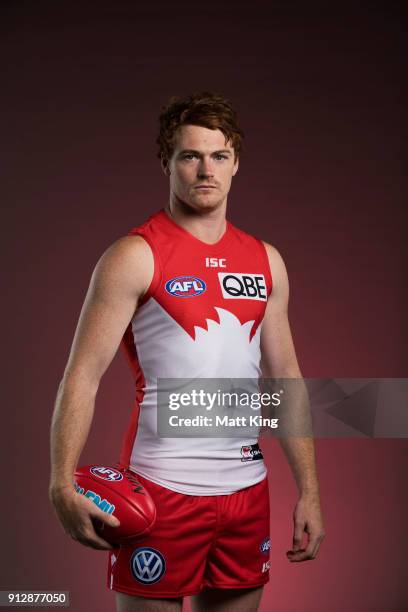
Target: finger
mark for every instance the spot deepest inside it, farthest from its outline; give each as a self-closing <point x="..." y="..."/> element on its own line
<point x="297" y="555"/>
<point x="314" y="543"/>
<point x="306" y="554"/>
<point x="93" y="540"/>
<point x="99" y="527"/>
<point x="105" y="518"/>
<point x="298" y="536"/>
<point x="319" y="539"/>
<point x="310" y="548"/>
<point x="86" y="534"/>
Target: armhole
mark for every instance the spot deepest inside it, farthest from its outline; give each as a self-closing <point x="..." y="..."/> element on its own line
<point x="157" y="269"/>
<point x="264" y="255"/>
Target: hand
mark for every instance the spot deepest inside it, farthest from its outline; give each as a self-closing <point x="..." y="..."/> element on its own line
<point x="78" y="516"/>
<point x="307" y="517"/>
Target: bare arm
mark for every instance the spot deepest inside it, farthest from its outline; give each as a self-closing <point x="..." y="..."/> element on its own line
<point x="121" y="277"/>
<point x="279" y="361"/>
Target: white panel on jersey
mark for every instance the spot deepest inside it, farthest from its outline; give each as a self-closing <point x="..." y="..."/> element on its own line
<point x="196" y="466"/>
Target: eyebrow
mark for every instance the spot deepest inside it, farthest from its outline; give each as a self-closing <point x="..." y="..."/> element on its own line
<point x="184" y="151"/>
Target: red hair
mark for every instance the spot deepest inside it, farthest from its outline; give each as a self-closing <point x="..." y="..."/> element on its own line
<point x="207" y="109"/>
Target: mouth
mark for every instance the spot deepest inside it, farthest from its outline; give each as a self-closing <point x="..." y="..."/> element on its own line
<point x="205" y="187"/>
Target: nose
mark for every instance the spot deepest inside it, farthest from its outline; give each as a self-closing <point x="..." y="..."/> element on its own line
<point x="205" y="169"/>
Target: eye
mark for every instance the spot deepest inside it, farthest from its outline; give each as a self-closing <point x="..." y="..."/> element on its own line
<point x="189" y="156"/>
<point x="220" y="156"/>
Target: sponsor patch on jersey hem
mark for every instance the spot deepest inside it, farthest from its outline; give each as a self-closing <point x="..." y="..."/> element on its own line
<point x="251" y="452"/>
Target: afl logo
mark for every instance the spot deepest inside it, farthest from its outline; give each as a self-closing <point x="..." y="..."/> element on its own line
<point x="107" y="473"/>
<point x="185" y="286"/>
<point x="265" y="546"/>
<point x="147" y="565"/>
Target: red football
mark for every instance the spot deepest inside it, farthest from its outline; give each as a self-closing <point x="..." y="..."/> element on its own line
<point x="118" y="492"/>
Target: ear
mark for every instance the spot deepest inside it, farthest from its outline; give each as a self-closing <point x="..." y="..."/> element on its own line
<point x="165" y="166"/>
<point x="236" y="165"/>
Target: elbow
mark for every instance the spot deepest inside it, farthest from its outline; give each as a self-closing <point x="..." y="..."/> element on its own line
<point x="75" y="379"/>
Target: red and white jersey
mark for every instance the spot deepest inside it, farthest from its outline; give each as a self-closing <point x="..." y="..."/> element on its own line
<point x="200" y="318"/>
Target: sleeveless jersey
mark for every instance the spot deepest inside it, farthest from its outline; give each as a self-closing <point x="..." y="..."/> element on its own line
<point x="201" y="317"/>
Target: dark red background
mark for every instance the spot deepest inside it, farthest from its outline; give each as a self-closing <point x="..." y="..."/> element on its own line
<point x="320" y="98"/>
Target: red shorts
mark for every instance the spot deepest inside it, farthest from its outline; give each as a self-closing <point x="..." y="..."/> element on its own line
<point x="219" y="541"/>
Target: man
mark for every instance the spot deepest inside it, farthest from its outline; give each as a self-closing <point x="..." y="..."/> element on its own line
<point x="190" y="296"/>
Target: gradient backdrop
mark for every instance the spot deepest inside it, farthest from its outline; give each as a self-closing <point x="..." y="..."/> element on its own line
<point x="319" y="96"/>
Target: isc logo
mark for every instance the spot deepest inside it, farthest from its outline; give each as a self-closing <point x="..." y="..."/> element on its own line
<point x="240" y="286"/>
<point x="215" y="262"/>
<point x="185" y="286"/>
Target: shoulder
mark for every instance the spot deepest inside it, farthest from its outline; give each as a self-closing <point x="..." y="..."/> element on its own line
<point x="127" y="251"/>
<point x="131" y="248"/>
<point x="275" y="258"/>
<point x="127" y="261"/>
<point x="277" y="266"/>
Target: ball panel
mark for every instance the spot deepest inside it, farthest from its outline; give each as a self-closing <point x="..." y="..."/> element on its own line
<point x="118" y="492"/>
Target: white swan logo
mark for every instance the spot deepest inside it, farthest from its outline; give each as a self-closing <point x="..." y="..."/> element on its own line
<point x="220" y="348"/>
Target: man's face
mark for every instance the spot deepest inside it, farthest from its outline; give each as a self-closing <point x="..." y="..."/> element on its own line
<point x="201" y="167"/>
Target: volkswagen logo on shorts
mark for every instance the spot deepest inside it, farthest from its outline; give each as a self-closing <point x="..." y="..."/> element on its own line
<point x="147" y="565"/>
<point x="107" y="473"/>
<point x="185" y="286"/>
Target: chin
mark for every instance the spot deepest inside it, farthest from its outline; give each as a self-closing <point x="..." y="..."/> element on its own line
<point x="199" y="205"/>
<point x="206" y="204"/>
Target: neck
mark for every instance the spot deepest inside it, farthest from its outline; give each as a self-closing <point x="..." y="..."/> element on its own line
<point x="207" y="225"/>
